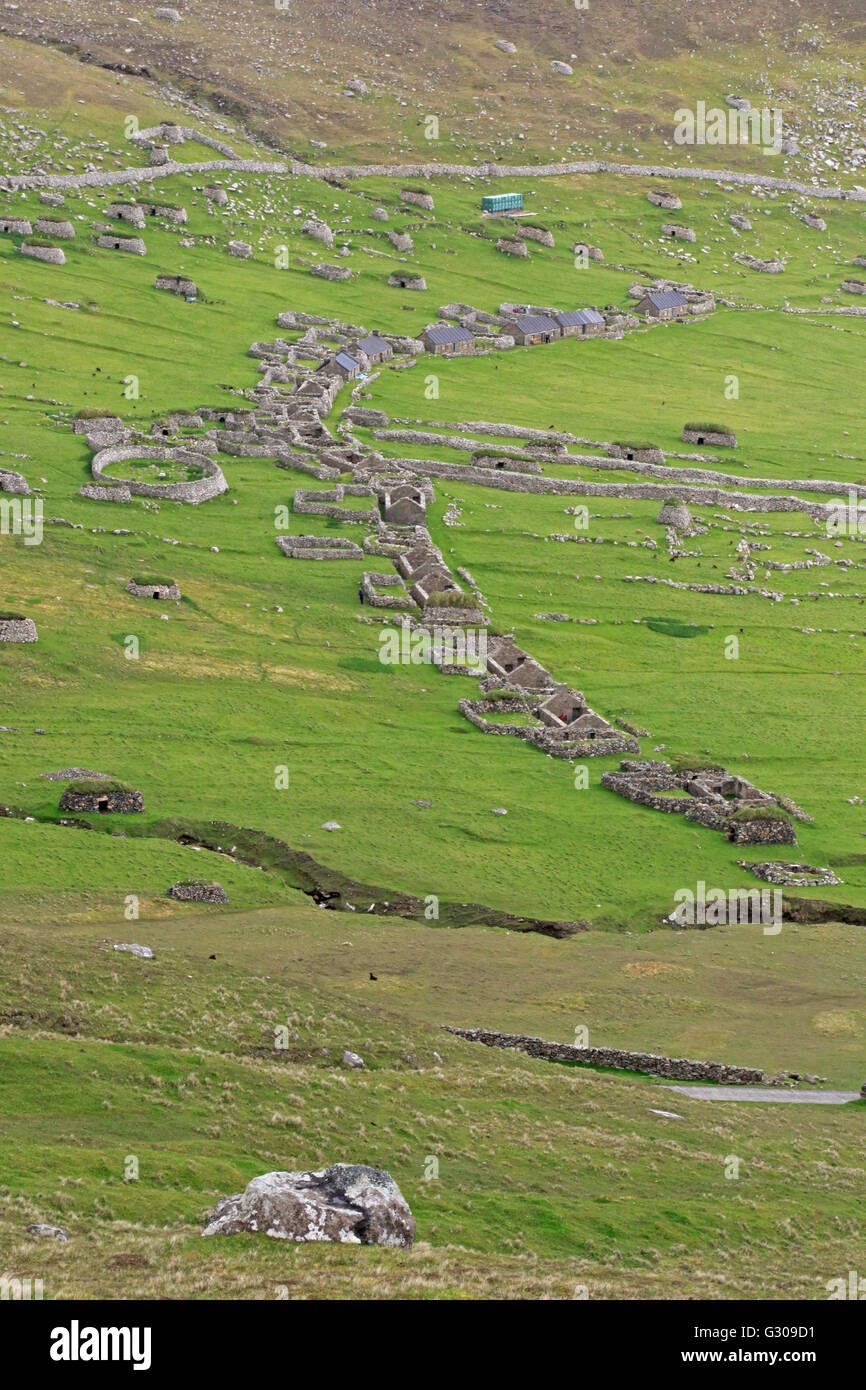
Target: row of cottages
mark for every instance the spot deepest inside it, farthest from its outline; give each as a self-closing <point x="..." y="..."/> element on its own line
<point x="448" y="340"/>
<point x="664" y="304"/>
<point x="425" y="571"/>
<point x="528" y="330"/>
<point x="354" y="361"/>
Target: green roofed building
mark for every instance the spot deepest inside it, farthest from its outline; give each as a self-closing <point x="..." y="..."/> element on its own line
<point x="502" y="202"/>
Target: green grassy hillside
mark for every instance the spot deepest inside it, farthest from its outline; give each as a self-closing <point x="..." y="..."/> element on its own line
<point x="256" y="710"/>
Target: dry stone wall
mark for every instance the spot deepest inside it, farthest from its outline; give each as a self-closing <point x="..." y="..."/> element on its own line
<point x="672" y="1068"/>
<point x="211" y="484"/>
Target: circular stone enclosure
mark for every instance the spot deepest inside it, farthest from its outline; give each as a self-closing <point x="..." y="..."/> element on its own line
<point x="210" y="484"/>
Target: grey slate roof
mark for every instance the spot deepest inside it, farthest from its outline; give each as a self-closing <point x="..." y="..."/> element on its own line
<point x="373" y="344"/>
<point x="667" y="299"/>
<point x="573" y="316"/>
<point x="347" y="362"/>
<point x="448" y="333"/>
<point x="535" y="323"/>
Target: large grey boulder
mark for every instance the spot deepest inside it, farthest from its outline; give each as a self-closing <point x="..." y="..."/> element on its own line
<point x="347" y="1202"/>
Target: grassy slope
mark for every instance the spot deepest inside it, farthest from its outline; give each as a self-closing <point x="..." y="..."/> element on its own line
<point x="303" y="703"/>
<point x="548" y="1177"/>
<point x="284" y="71"/>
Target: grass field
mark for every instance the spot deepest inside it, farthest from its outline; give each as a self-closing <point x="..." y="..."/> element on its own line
<point x="134" y="1093"/>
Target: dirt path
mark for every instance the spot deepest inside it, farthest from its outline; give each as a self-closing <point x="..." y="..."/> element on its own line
<point x="766" y="1093"/>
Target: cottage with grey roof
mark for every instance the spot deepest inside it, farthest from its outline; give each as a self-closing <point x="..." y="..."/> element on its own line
<point x="447" y="339"/>
<point x="580" y="323"/>
<point x="663" y="304"/>
<point x="375" y="348"/>
<point x="342" y="364"/>
<point x="529" y="329"/>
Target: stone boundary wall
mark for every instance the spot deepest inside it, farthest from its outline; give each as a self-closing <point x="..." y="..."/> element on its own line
<point x="105" y="178"/>
<point x="674" y="1068"/>
<point x="160" y="134"/>
<point x="623" y="785"/>
<point x="474" y="711"/>
<point x="542" y="738"/>
<point x="211" y="484"/>
<point x="762" y="832"/>
<point x="315" y="504"/>
<point x="791" y="875"/>
<point x="702" y="476"/>
<point x="372" y="581"/>
<point x="525" y="482"/>
<point x="298" y="168"/>
<point x="96" y="492"/>
<point x="319" y="548"/>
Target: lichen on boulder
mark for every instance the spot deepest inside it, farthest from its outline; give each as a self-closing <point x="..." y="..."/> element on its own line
<point x="347" y="1203"/>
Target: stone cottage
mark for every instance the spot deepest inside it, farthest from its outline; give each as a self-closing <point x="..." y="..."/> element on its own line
<point x="342" y="364"/>
<point x="663" y="304"/>
<point x="177" y="284"/>
<point x="405" y="505"/>
<point x="133" y="244"/>
<point x="567" y="714"/>
<point x="706" y="434"/>
<point x="662" y="199"/>
<point x="527" y="330"/>
<point x="407" y="282"/>
<point x="678" y="232"/>
<point x="580" y="323"/>
<point x="52" y="254"/>
<point x="59" y="227"/>
<point x="448" y="340"/>
<point x="126" y="212"/>
<point x="510" y="663"/>
<point x="375" y="348"/>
